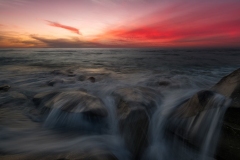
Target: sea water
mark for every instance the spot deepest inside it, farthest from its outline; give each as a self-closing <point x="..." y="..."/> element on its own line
<point x="176" y="74"/>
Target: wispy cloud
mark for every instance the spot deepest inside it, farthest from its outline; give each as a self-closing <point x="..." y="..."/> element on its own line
<point x="55" y="24"/>
<point x="11" y="3"/>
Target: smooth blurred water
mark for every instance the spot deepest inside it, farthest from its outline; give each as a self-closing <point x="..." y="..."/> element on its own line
<point x="176" y="74"/>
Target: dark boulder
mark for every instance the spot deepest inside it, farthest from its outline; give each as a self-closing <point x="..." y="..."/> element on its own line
<point x="73" y="109"/>
<point x="13" y="97"/>
<point x="81" y="78"/>
<point x="134" y="110"/>
<point x="192" y="120"/>
<point x="197" y="103"/>
<point x="79" y="102"/>
<point x="229" y="142"/>
<point x="229" y="86"/>
<point x="92" y="79"/>
<point x="42" y="98"/>
<point x="5" y="87"/>
<point x="54" y="82"/>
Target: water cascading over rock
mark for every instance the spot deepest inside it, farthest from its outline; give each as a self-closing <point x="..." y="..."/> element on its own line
<point x="135" y="107"/>
<point x="190" y="130"/>
<point x="73" y="110"/>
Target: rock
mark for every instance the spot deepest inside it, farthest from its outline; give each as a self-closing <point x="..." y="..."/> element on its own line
<point x="139" y="95"/>
<point x="91" y="154"/>
<point x="92" y="79"/>
<point x="134" y="109"/>
<point x="192" y="120"/>
<point x="17" y="95"/>
<point x="69" y="73"/>
<point x="81" y="78"/>
<point x="43" y="97"/>
<point x="78" y="102"/>
<point x="54" y="81"/>
<point x="73" y="110"/>
<point x="164" y="83"/>
<point x="13" y="97"/>
<point x="229" y="141"/>
<point x="97" y="154"/>
<point x="229" y="86"/>
<point x="199" y="102"/>
<point x="5" y="87"/>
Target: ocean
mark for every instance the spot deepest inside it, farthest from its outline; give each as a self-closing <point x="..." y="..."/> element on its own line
<point x="170" y="75"/>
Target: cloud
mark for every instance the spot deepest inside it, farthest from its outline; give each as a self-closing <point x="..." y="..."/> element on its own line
<point x="180" y="25"/>
<point x="66" y="43"/>
<point x="8" y="3"/>
<point x="13" y="39"/>
<point x="55" y="24"/>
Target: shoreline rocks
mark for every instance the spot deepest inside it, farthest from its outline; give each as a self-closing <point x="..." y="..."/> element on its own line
<point x="229" y="86"/>
<point x="5" y="87"/>
<point x="73" y="109"/>
<point x="229" y="142"/>
<point x="135" y="107"/>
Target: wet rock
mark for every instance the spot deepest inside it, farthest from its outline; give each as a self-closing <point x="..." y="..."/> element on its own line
<point x="13" y="98"/>
<point x="92" y="79"/>
<point x="5" y="87"/>
<point x="205" y="109"/>
<point x="79" y="102"/>
<point x="164" y="83"/>
<point x="58" y="72"/>
<point x="199" y="102"/>
<point x="134" y="109"/>
<point x="139" y="95"/>
<point x="81" y="78"/>
<point x="54" y="82"/>
<point x="229" y="86"/>
<point x="229" y="142"/>
<point x="69" y="73"/>
<point x="83" y="90"/>
<point x="41" y="99"/>
<point x="97" y="154"/>
<point x="17" y="95"/>
<point x="73" y="110"/>
<point x="91" y="154"/>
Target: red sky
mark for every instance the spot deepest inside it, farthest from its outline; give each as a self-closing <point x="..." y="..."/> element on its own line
<point x="119" y="23"/>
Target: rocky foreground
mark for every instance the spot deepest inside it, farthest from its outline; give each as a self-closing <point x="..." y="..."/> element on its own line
<point x="84" y="113"/>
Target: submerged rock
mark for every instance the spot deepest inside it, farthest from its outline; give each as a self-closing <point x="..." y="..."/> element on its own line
<point x="81" y="78"/>
<point x="134" y="110"/>
<point x="92" y="79"/>
<point x="68" y="72"/>
<point x="13" y="97"/>
<point x="164" y="83"/>
<point x="54" y="82"/>
<point x="5" y="87"/>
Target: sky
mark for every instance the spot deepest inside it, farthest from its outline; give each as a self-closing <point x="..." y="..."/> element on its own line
<point x="119" y="23"/>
